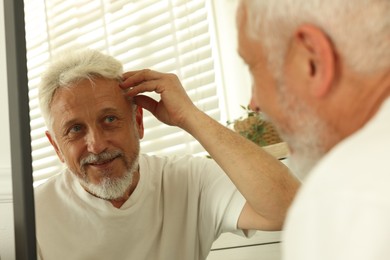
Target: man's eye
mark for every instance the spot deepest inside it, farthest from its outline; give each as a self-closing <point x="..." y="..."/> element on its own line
<point x="110" y="119"/>
<point x="75" y="129"/>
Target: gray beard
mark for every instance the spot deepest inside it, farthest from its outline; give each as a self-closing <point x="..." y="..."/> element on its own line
<point x="305" y="134"/>
<point x="111" y="188"/>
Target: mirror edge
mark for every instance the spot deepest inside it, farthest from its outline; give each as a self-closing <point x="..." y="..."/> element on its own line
<point x="18" y="101"/>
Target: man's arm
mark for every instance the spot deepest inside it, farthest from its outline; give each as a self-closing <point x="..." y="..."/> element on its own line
<point x="267" y="184"/>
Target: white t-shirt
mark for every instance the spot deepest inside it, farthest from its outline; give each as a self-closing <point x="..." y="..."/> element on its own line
<point x="342" y="211"/>
<point x="180" y="206"/>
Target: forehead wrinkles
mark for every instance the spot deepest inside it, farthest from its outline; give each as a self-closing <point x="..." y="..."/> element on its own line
<point x="89" y="99"/>
<point x="80" y="92"/>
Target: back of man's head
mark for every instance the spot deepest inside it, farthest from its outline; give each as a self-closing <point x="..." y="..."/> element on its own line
<point x="359" y="29"/>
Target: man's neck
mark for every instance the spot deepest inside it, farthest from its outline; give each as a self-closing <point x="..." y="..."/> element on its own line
<point x="376" y="92"/>
<point x="361" y="101"/>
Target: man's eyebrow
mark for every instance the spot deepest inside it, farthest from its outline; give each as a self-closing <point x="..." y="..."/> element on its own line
<point x="109" y="110"/>
<point x="66" y="124"/>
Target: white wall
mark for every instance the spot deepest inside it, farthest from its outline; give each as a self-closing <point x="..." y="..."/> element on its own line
<point x="236" y="81"/>
<point x="6" y="208"/>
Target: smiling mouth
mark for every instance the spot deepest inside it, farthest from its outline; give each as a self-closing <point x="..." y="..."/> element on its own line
<point x="103" y="162"/>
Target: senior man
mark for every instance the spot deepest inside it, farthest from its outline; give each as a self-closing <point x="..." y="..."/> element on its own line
<point x="321" y="72"/>
<point x="113" y="203"/>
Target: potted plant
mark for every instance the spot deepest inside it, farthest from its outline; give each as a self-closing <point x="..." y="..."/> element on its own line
<point x="254" y="127"/>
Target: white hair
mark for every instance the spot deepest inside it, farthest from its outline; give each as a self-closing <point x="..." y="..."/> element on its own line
<point x="71" y="67"/>
<point x="359" y="29"/>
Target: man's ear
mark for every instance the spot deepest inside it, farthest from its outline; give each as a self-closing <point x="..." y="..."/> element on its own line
<point x="54" y="144"/>
<point x="139" y="121"/>
<point x="317" y="55"/>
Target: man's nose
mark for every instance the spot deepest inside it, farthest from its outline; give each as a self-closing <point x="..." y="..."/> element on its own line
<point x="96" y="141"/>
<point x="253" y="105"/>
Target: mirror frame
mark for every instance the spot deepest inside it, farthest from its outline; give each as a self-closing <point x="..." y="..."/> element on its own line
<point x="19" y="123"/>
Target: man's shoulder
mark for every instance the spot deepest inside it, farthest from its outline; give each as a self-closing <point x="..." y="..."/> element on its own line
<point x="176" y="163"/>
<point x="49" y="186"/>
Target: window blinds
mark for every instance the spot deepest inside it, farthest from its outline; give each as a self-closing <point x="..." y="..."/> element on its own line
<point x="169" y="36"/>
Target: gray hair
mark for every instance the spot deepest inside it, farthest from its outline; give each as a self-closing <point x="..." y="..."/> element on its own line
<point x="71" y="67"/>
<point x="359" y="29"/>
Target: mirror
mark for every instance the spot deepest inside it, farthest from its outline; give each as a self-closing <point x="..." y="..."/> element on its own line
<point x="208" y="67"/>
<point x="21" y="164"/>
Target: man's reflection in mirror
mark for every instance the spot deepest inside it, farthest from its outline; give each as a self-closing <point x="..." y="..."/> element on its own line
<point x="111" y="202"/>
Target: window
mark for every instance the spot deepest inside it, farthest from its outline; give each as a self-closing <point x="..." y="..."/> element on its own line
<point x="170" y="36"/>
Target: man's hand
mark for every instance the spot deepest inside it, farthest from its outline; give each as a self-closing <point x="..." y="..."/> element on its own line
<point x="174" y="106"/>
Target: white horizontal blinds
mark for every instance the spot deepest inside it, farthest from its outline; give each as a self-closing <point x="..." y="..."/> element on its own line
<point x="168" y="36"/>
<point x="171" y="36"/>
<point x="75" y="22"/>
<point x="45" y="161"/>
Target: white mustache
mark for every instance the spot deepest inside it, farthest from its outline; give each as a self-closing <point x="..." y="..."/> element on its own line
<point x="101" y="157"/>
